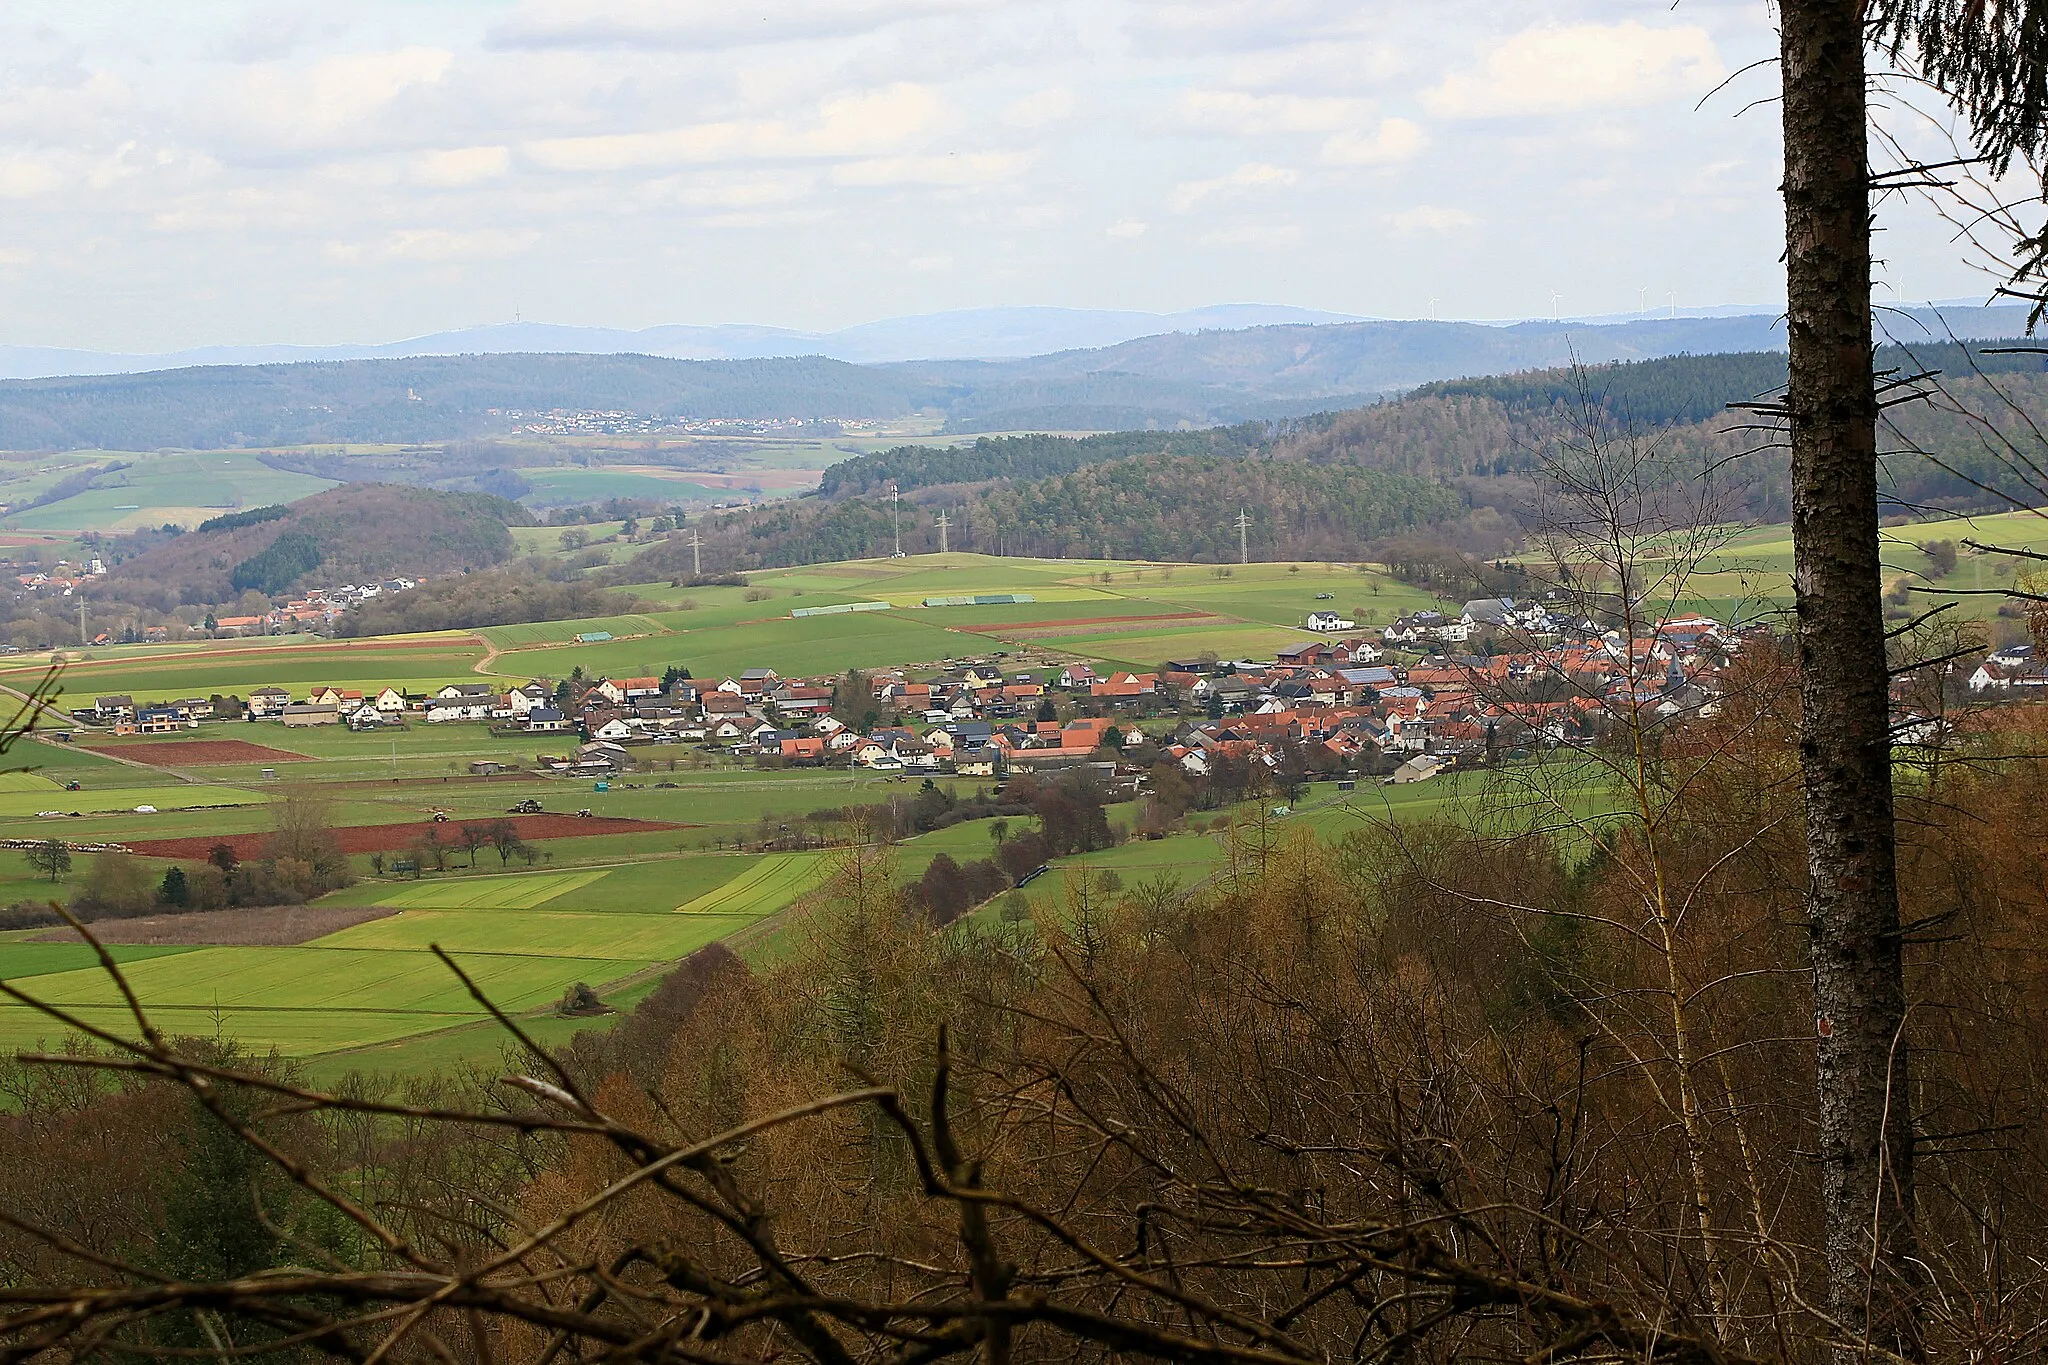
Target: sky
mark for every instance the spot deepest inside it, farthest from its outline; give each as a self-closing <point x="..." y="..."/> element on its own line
<point x="219" y="172"/>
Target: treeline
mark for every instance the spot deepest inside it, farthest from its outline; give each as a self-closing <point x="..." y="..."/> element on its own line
<point x="1027" y="457"/>
<point x="1149" y="506"/>
<point x="235" y="521"/>
<point x="493" y="597"/>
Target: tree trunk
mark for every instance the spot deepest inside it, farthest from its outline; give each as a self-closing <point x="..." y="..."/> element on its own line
<point x="1852" y="899"/>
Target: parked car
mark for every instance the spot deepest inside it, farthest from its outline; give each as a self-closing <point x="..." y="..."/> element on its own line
<point x="145" y="810"/>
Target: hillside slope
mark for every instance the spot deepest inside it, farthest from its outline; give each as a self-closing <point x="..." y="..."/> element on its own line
<point x="348" y="534"/>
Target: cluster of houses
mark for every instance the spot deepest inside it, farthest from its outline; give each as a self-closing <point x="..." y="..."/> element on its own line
<point x="980" y="719"/>
<point x="318" y="610"/>
<point x="61" y="580"/>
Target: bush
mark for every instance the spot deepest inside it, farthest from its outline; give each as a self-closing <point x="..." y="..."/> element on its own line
<point x="26" y="914"/>
<point x="120" y="886"/>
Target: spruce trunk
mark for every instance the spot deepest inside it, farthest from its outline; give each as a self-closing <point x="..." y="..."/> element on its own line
<point x="1852" y="899"/>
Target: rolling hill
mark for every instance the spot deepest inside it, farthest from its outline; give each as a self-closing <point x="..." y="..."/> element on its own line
<point x="346" y="534"/>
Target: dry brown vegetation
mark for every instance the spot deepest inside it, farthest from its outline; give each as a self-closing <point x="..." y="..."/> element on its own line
<point x="249" y="925"/>
<point x="1419" y="1094"/>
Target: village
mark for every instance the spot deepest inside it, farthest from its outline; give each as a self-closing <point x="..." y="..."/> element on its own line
<point x="1401" y="703"/>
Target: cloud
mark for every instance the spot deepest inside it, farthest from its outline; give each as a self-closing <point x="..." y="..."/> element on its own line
<point x="705" y="24"/>
<point x="24" y="177"/>
<point x="1246" y="178"/>
<point x="268" y="35"/>
<point x="439" y="245"/>
<point x="315" y="105"/>
<point x="1240" y="114"/>
<point x="1553" y="69"/>
<point x="461" y="166"/>
<point x="1128" y="227"/>
<point x="1041" y="109"/>
<point x="1395" y="139"/>
<point x="855" y="125"/>
<point x="756" y="192"/>
<point x="1235" y="26"/>
<point x="975" y="168"/>
<point x="1429" y="220"/>
<point x="1252" y="237"/>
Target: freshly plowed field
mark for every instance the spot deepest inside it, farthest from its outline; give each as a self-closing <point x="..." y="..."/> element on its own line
<point x="198" y="752"/>
<point x="390" y="838"/>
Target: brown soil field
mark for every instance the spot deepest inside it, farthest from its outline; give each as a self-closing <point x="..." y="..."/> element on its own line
<point x="203" y="752"/>
<point x="259" y="926"/>
<point x="391" y="838"/>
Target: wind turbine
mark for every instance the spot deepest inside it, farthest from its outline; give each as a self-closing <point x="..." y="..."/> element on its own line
<point x="1554" y="297"/>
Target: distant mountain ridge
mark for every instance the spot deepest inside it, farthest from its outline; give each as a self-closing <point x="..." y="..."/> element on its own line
<point x="1193" y="379"/>
<point x="986" y="333"/>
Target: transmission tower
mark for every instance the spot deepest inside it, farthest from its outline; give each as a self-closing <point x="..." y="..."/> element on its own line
<point x="943" y="524"/>
<point x="696" y="555"/>
<point x="896" y="519"/>
<point x="1244" y="545"/>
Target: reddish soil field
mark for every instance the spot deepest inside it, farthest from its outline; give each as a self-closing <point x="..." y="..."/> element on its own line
<point x="198" y="752"/>
<point x="391" y="838"/>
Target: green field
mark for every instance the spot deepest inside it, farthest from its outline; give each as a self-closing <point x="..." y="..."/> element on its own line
<point x="171" y="486"/>
<point x="19" y="959"/>
<point x="560" y="484"/>
<point x="165" y="671"/>
<point x="641" y="939"/>
<point x="489" y="893"/>
<point x="190" y="796"/>
<point x="305" y="999"/>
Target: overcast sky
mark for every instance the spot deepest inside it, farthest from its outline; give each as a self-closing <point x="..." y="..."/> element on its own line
<point x="211" y="171"/>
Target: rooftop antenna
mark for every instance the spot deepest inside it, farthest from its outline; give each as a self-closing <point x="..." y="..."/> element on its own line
<point x="1244" y="552"/>
<point x="696" y="555"/>
<point x="943" y="524"/>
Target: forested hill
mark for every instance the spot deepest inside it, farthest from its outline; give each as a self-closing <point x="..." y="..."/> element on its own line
<point x="349" y="534"/>
<point x="1458" y="460"/>
<point x="1029" y="457"/>
<point x="1679" y="389"/>
<point x="1153" y="506"/>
